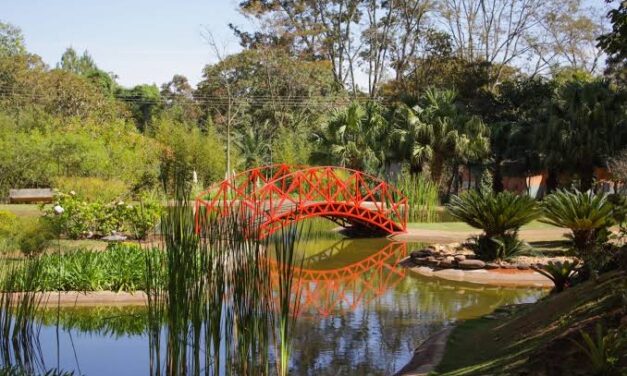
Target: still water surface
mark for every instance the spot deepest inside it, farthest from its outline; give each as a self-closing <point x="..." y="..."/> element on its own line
<point x="360" y="315"/>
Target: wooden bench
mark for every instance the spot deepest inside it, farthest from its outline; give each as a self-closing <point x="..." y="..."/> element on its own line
<point x="30" y="195"/>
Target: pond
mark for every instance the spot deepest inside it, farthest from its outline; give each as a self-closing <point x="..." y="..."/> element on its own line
<point x="360" y="314"/>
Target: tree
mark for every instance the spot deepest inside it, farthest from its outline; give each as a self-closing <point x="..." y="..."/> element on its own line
<point x="568" y="37"/>
<point x="614" y="43"/>
<point x="319" y="29"/>
<point x="144" y="102"/>
<point x="85" y="66"/>
<point x="437" y="133"/>
<point x="178" y="97"/>
<point x="353" y="137"/>
<point x="81" y="65"/>
<point x="11" y="40"/>
<point x="586" y="128"/>
<point x="254" y="150"/>
<point x="530" y="34"/>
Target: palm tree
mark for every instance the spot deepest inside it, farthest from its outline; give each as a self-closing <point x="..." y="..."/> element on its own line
<point x="353" y="137"/>
<point x="253" y="148"/>
<point x="586" y="127"/>
<point x="437" y="133"/>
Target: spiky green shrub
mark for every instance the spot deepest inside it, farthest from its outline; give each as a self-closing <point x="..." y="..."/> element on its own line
<point x="500" y="247"/>
<point x="604" y="351"/>
<point x="586" y="215"/>
<point x="499" y="215"/>
<point x="561" y="273"/>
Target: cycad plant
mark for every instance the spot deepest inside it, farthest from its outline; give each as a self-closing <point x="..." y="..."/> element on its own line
<point x="586" y="214"/>
<point x="561" y="273"/>
<point x="499" y="215"/>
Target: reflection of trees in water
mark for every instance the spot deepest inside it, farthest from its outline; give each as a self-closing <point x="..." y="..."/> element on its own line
<point x="385" y="312"/>
<point x="378" y="334"/>
<point x="115" y="322"/>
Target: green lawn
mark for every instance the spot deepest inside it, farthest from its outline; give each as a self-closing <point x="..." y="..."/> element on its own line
<point x="22" y="210"/>
<point x="532" y="339"/>
<point x="461" y="226"/>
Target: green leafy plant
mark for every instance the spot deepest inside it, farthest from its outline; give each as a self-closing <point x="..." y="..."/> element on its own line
<point x="35" y="236"/>
<point x="422" y="194"/>
<point x="604" y="350"/>
<point x="77" y="218"/>
<point x="499" y="215"/>
<point x="500" y="247"/>
<point x="8" y="229"/>
<point x="587" y="215"/>
<point x="561" y="273"/>
<point x="120" y="268"/>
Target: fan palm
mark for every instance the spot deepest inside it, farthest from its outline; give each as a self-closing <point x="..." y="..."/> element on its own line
<point x="586" y="126"/>
<point x="436" y="132"/>
<point x="253" y="148"/>
<point x="353" y="137"/>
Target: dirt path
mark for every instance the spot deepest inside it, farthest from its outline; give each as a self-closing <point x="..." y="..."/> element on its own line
<point x="445" y="236"/>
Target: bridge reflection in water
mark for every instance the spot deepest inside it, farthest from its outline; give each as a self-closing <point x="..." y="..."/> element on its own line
<point x="333" y="290"/>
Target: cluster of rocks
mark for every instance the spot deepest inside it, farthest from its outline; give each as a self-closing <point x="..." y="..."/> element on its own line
<point x="455" y="256"/>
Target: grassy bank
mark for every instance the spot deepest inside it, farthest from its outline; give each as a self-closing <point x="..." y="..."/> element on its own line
<point x="538" y="338"/>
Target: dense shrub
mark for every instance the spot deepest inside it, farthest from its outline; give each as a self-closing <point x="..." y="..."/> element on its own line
<point x="77" y="218"/>
<point x="37" y="155"/>
<point x="91" y="188"/>
<point x="499" y="215"/>
<point x="7" y="230"/>
<point x="35" y="235"/>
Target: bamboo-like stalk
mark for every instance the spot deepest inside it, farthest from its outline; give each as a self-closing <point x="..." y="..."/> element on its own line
<point x="210" y="295"/>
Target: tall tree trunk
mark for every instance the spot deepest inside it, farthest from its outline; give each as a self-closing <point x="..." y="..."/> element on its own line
<point x="587" y="177"/>
<point x="551" y="181"/>
<point x="497" y="178"/>
<point x="437" y="166"/>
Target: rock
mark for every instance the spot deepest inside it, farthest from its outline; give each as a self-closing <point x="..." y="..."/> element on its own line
<point x="459" y="258"/>
<point x="432" y="261"/>
<point x="523" y="266"/>
<point x="420" y="261"/>
<point x="114" y="238"/>
<point x="492" y="265"/>
<point x="507" y="265"/>
<point x="471" y="264"/>
<point x="447" y="264"/>
<point x="421" y="253"/>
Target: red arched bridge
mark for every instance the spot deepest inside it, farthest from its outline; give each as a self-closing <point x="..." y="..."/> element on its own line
<point x="270" y="197"/>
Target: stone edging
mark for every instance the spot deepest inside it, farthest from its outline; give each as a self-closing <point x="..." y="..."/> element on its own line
<point x="86" y="299"/>
<point x="513" y="278"/>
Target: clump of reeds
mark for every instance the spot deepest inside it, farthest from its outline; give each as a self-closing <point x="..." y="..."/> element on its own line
<point x="210" y="294"/>
<point x="422" y="195"/>
<point x="19" y="301"/>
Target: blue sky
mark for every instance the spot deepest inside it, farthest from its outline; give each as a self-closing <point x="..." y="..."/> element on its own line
<point x="142" y="41"/>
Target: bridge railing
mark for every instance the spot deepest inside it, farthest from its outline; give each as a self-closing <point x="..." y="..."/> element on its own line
<point x="275" y="194"/>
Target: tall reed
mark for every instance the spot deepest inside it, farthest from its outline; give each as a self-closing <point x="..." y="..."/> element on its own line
<point x="211" y="297"/>
<point x="19" y="331"/>
<point x="422" y="195"/>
